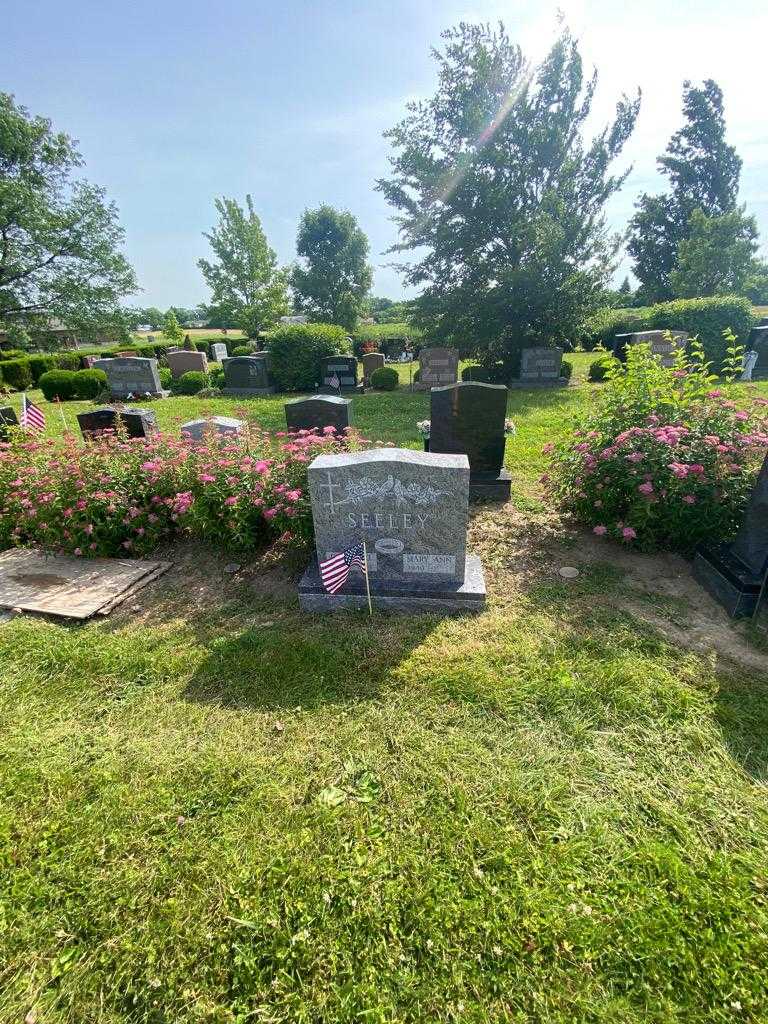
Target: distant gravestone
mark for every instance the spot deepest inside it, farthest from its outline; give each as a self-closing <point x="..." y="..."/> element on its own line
<point x="758" y="342"/>
<point x="664" y="344"/>
<point x="8" y="418"/>
<point x="136" y="422"/>
<point x="541" y="366"/>
<point x="223" y="426"/>
<point x="131" y="376"/>
<point x="469" y="418"/>
<point x="341" y="369"/>
<point x="86" y="362"/>
<point x="248" y="376"/>
<point x="411" y="508"/>
<point x="318" y="412"/>
<point x="437" y="367"/>
<point x="734" y="573"/>
<point x="185" y="361"/>
<point x="372" y="361"/>
<point x="218" y="352"/>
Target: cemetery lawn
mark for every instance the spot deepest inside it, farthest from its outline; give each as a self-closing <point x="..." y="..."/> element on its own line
<point x="214" y="808"/>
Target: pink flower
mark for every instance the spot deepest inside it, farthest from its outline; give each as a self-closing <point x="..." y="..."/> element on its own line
<point x="600" y="530"/>
<point x="329" y="430"/>
<point x="77" y="551"/>
<point x="646" y="488"/>
<point x="270" y="513"/>
<point x="741" y="416"/>
<point x="689" y="499"/>
<point x="206" y="478"/>
<point x="230" y="501"/>
<point x="635" y="457"/>
<point x="628" y="533"/>
<point x="680" y="469"/>
<point x="715" y="394"/>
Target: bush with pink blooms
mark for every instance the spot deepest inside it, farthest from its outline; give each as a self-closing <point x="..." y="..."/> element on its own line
<point x="121" y="496"/>
<point x="664" y="460"/>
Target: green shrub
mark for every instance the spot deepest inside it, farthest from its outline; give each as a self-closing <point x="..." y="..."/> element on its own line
<point x="202" y="346"/>
<point x="598" y="368"/>
<point x="216" y="376"/>
<point x="89" y="383"/>
<point x="11" y="353"/>
<point x="385" y="378"/>
<point x="566" y="370"/>
<point x="242" y="350"/>
<point x="702" y="318"/>
<point x="166" y="378"/>
<point x="296" y="352"/>
<point x="39" y="365"/>
<point x="66" y="360"/>
<point x="191" y="382"/>
<point x="147" y="351"/>
<point x="59" y="384"/>
<point x="16" y="373"/>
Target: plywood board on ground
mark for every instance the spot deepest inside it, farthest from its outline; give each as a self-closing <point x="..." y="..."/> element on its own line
<point x="74" y="588"/>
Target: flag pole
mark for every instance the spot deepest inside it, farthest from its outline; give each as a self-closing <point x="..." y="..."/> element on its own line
<point x="61" y="413"/>
<point x="367" y="581"/>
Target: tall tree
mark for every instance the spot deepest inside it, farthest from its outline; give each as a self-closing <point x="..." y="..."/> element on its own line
<point x="171" y="328"/>
<point x="335" y="278"/>
<point x="247" y="285"/>
<point x="717" y="257"/>
<point x="59" y="237"/>
<point x="703" y="172"/>
<point x="494" y="183"/>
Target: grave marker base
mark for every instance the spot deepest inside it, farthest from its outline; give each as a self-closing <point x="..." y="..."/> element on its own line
<point x="357" y="390"/>
<point x="490" y="488"/>
<point x="727" y="579"/>
<point x="248" y="392"/>
<point x="407" y="596"/>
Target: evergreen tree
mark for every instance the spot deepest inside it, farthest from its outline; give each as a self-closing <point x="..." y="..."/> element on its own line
<point x="171" y="329"/>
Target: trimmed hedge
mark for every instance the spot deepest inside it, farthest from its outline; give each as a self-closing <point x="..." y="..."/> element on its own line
<point x="385" y="378"/>
<point x="706" y="318"/>
<point x="191" y="382"/>
<point x="297" y="349"/>
<point x="90" y="383"/>
<point x="566" y="370"/>
<point x="241" y="350"/>
<point x="58" y="385"/>
<point x="17" y="374"/>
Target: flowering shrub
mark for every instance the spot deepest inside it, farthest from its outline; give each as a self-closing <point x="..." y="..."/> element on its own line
<point x="116" y="495"/>
<point x="664" y="460"/>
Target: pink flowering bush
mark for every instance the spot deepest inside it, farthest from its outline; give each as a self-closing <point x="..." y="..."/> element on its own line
<point x="664" y="460"/>
<point x="120" y="496"/>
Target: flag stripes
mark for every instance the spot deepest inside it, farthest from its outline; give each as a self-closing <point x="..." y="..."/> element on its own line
<point x="32" y="418"/>
<point x="334" y="571"/>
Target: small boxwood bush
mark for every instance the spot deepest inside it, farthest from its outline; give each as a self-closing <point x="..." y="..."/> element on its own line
<point x="66" y="360"/>
<point x="17" y="374"/>
<point x="566" y="370"/>
<point x="39" y="365"/>
<point x="297" y="349"/>
<point x="191" y="382"/>
<point x="166" y="378"/>
<point x="59" y="385"/>
<point x="202" y="346"/>
<point x="89" y="383"/>
<point x="598" y="368"/>
<point x="241" y="350"/>
<point x="385" y="379"/>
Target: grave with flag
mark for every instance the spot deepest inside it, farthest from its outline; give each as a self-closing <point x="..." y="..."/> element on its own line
<point x="32" y="418"/>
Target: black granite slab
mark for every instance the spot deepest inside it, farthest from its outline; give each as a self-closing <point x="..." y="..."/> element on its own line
<point x="341" y="368"/>
<point x="8" y="418"/>
<point x="137" y="422"/>
<point x="727" y="579"/>
<point x="248" y="376"/>
<point x="318" y="412"/>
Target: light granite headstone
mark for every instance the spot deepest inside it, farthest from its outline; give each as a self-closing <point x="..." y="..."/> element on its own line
<point x="248" y="376"/>
<point x="437" y="367"/>
<point x="318" y="412"/>
<point x="224" y="426"/>
<point x="218" y="351"/>
<point x="664" y="344"/>
<point x="131" y="376"/>
<point x="184" y="361"/>
<point x="372" y="361"/>
<point x="411" y="509"/>
<point x="541" y="365"/>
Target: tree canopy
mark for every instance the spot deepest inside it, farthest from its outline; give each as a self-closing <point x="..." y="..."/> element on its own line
<point x="59" y="236"/>
<point x="501" y="197"/>
<point x="248" y="288"/>
<point x="334" y="279"/>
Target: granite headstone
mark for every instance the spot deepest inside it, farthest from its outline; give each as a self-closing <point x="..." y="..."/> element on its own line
<point x="223" y="426"/>
<point x="664" y="344"/>
<point x="184" y="361"/>
<point x="131" y="376"/>
<point x="136" y="422"/>
<point x="437" y="367"/>
<point x="248" y="376"/>
<point x="218" y="351"/>
<point x="339" y="368"/>
<point x="372" y="361"/>
<point x="758" y="342"/>
<point x="541" y="366"/>
<point x="734" y="573"/>
<point x="8" y="418"/>
<point x="469" y="418"/>
<point x="318" y="412"/>
<point x="411" y="509"/>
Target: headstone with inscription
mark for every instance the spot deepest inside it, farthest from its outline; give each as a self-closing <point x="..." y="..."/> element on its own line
<point x="664" y="344"/>
<point x="218" y="351"/>
<point x="437" y="367"/>
<point x="469" y="418"/>
<point x="136" y="422"/>
<point x="8" y="418"/>
<point x="758" y="342"/>
<point x="318" y="412"/>
<point x="339" y="374"/>
<point x="734" y="573"/>
<point x="223" y="426"/>
<point x="184" y="361"/>
<point x="410" y="509"/>
<point x="541" y="367"/>
<point x="131" y="376"/>
<point x="372" y="361"/>
<point x="248" y="376"/>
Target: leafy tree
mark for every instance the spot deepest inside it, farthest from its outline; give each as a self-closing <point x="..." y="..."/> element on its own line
<point x="494" y="183"/>
<point x="171" y="328"/>
<point x="59" y="237"/>
<point x="717" y="256"/>
<point x="703" y="172"/>
<point x="247" y="285"/>
<point x="756" y="285"/>
<point x="332" y="284"/>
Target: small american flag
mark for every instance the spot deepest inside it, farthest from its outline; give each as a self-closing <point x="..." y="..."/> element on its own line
<point x="31" y="417"/>
<point x="334" y="382"/>
<point x="335" y="570"/>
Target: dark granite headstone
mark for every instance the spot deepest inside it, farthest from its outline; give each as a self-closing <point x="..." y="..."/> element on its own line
<point x="137" y="422"/>
<point x="318" y="412"/>
<point x="131" y="376"/>
<point x="437" y="368"/>
<point x="338" y="368"/>
<point x="468" y="418"/>
<point x="8" y="418"/>
<point x="733" y="573"/>
<point x="411" y="509"/>
<point x="758" y="342"/>
<point x="247" y="376"/>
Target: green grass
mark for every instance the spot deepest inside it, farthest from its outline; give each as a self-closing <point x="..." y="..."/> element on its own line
<point x="225" y="811"/>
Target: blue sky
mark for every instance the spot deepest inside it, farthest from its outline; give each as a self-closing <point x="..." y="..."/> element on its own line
<point x="174" y="103"/>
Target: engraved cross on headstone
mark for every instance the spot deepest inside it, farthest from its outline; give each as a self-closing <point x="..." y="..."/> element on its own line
<point x="330" y="486"/>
